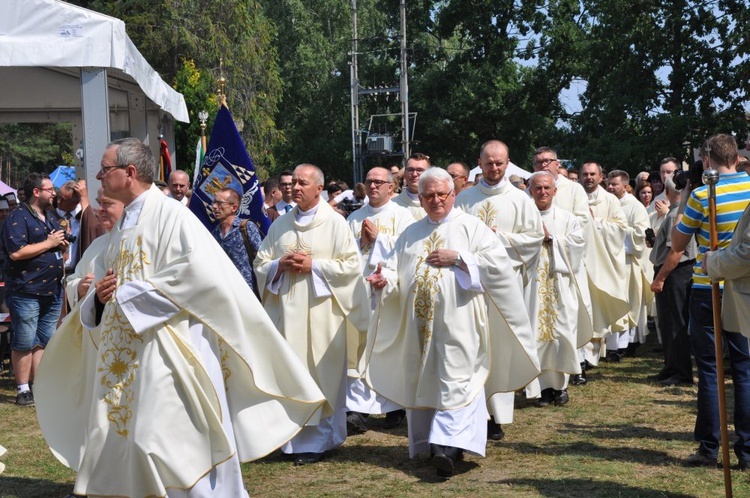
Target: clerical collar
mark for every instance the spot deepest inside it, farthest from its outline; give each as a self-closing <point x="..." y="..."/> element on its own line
<point x="414" y="197"/>
<point x="502" y="183"/>
<point x="305" y="217"/>
<point x="546" y="211"/>
<point x="448" y="217"/>
<point x="133" y="210"/>
<point x="73" y="214"/>
<point x="376" y="210"/>
<point x="593" y="196"/>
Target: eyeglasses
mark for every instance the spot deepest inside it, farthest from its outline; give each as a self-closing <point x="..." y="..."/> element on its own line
<point x="285" y="184"/>
<point x="48" y="189"/>
<point x="411" y="170"/>
<point x="544" y="162"/>
<point x="377" y="183"/>
<point x="456" y="176"/>
<point x="107" y="169"/>
<point x="438" y="196"/>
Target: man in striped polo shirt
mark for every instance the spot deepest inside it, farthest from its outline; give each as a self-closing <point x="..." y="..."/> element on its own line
<point x="732" y="197"/>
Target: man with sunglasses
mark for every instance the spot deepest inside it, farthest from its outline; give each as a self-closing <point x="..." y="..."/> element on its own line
<point x="376" y="226"/>
<point x="286" y="203"/>
<point x="34" y="244"/>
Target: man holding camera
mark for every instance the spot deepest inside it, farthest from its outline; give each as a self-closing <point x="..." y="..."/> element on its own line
<point x="35" y="245"/>
<point x="732" y="197"/>
<point x="74" y="215"/>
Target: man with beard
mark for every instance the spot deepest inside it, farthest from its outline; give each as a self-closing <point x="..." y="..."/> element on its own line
<point x="33" y="287"/>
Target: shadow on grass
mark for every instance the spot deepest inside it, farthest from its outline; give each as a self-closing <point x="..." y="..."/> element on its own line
<point x="23" y="487"/>
<point x="588" y="487"/>
<point x="625" y="432"/>
<point x="602" y="452"/>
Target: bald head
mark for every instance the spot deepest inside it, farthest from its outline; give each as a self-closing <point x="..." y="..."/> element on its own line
<point x="179" y="183"/>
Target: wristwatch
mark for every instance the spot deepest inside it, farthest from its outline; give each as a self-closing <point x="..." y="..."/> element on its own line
<point x="458" y="260"/>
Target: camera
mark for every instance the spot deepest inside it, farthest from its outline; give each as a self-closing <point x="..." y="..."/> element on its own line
<point x="650" y="237"/>
<point x="694" y="175"/>
<point x="70" y="237"/>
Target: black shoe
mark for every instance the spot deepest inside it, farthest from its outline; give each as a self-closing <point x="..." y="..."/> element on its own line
<point x="743" y="465"/>
<point x="307" y="458"/>
<point x="25" y="398"/>
<point x="561" y="397"/>
<point x="547" y="398"/>
<point x="355" y="424"/>
<point x="663" y="374"/>
<point x="442" y="462"/>
<point x="676" y="380"/>
<point x="495" y="431"/>
<point x="698" y="459"/>
<point x="578" y="380"/>
<point x="613" y="357"/>
<point x="393" y="419"/>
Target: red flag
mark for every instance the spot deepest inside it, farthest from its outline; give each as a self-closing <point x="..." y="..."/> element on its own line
<point x="165" y="161"/>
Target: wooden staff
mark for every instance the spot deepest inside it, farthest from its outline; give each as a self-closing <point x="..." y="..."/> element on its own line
<point x="710" y="179"/>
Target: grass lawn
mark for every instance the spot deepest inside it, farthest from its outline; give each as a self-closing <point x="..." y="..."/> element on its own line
<point x="620" y="436"/>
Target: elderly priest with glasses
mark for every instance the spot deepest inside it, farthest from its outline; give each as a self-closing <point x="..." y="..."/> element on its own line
<point x="451" y="317"/>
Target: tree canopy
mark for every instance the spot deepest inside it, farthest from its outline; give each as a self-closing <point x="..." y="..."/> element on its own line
<point x="657" y="75"/>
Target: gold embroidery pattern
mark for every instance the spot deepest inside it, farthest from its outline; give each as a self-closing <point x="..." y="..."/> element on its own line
<point x="487" y="213"/>
<point x="548" y="299"/>
<point x="426" y="278"/>
<point x="118" y="366"/>
<point x="224" y="357"/>
<point x="129" y="263"/>
<point x="118" y="357"/>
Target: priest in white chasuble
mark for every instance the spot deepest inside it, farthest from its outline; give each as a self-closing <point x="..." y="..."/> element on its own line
<point x="416" y="164"/>
<point x="562" y="323"/>
<point x="451" y="328"/>
<point x="375" y="226"/>
<point x="631" y="328"/>
<point x="571" y="197"/>
<point x="310" y="274"/>
<point x="605" y="256"/>
<point x="189" y="375"/>
<point x="514" y="218"/>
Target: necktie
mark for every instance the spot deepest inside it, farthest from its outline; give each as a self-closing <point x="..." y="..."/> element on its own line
<point x="287" y="208"/>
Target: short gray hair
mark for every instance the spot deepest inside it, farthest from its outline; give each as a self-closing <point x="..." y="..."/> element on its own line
<point x="434" y="174"/>
<point x="540" y="173"/>
<point x="317" y="173"/>
<point x="134" y="151"/>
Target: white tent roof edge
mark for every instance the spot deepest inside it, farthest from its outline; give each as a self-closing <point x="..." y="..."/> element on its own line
<point x="53" y="33"/>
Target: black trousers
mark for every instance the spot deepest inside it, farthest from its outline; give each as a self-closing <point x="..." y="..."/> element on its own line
<point x="672" y="313"/>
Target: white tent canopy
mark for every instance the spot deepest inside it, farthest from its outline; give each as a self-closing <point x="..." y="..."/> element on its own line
<point x="512" y="170"/>
<point x="59" y="62"/>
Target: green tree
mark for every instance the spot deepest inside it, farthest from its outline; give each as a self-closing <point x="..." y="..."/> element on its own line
<point x="32" y="147"/>
<point x="236" y="32"/>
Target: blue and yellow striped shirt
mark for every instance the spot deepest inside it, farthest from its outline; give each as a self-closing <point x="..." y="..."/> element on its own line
<point x="732" y="197"/>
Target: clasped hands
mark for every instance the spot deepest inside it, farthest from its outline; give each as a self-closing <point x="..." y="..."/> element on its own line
<point x="105" y="288"/>
<point x="296" y="262"/>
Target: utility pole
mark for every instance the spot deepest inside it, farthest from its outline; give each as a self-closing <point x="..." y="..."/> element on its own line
<point x="357" y="91"/>
<point x="354" y="81"/>
<point x="404" y="86"/>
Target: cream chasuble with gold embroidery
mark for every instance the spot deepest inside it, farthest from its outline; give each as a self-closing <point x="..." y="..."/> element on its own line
<point x="413" y="205"/>
<point x="605" y="260"/>
<point x="562" y="324"/>
<point x="514" y="218"/>
<point x="315" y="327"/>
<point x="639" y="281"/>
<point x="391" y="220"/>
<point x="434" y="344"/>
<point x="145" y="416"/>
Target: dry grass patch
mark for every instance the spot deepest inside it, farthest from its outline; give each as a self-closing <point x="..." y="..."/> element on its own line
<point x="620" y="436"/>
